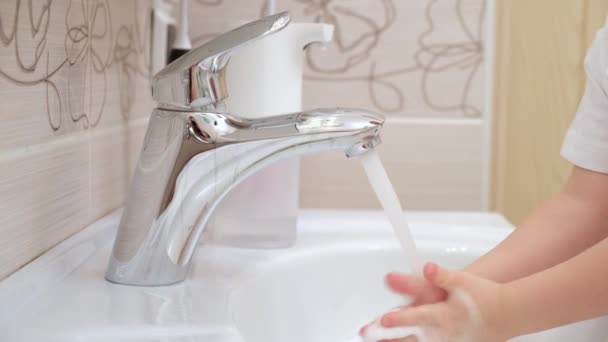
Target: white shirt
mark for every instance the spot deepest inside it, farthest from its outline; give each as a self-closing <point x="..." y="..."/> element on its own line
<point x="586" y="143"/>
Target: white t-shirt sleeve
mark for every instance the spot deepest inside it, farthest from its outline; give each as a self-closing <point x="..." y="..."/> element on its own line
<point x="586" y="143"/>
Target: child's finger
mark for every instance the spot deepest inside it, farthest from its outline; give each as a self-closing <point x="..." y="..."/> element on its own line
<point x="441" y="277"/>
<point x="363" y="328"/>
<point x="404" y="284"/>
<point x="418" y="316"/>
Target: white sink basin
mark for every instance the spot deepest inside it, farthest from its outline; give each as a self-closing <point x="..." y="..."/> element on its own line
<point x="322" y="290"/>
<point x="327" y="294"/>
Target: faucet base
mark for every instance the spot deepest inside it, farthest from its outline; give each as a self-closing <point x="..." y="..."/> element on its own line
<point x="130" y="274"/>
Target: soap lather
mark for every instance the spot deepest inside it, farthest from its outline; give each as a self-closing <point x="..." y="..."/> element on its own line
<point x="375" y="332"/>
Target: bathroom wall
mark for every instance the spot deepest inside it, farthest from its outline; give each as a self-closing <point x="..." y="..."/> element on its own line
<point x="420" y="63"/>
<point x="541" y="46"/>
<point x="74" y="101"/>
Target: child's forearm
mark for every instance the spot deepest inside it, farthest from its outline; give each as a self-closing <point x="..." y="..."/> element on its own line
<point x="567" y="224"/>
<point x="572" y="291"/>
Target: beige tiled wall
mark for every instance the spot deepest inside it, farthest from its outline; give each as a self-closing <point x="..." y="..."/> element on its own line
<point x="74" y="101"/>
<point x="419" y="62"/>
<point x="404" y="58"/>
<point x="432" y="166"/>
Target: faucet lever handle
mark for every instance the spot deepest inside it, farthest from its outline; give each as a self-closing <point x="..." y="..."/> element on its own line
<point x="195" y="81"/>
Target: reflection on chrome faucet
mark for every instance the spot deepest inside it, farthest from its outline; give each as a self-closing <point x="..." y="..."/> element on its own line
<point x="195" y="152"/>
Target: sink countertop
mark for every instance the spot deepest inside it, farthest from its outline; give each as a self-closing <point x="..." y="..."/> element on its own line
<point x="62" y="295"/>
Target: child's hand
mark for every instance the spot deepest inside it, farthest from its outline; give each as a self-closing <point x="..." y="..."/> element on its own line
<point x="419" y="289"/>
<point x="472" y="311"/>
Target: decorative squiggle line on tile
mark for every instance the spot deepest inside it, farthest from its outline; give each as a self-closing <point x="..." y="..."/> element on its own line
<point x="360" y="49"/>
<point x="466" y="55"/>
<point x="382" y="89"/>
<point x="84" y="60"/>
<point x="36" y="26"/>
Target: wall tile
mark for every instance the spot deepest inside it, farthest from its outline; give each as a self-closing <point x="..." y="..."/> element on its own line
<point x="399" y="57"/>
<point x="403" y="59"/>
<point x="45" y="198"/>
<point x="75" y="100"/>
<point x="433" y="166"/>
<point x="84" y="67"/>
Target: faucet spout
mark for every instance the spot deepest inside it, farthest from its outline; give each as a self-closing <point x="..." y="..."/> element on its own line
<point x="191" y="160"/>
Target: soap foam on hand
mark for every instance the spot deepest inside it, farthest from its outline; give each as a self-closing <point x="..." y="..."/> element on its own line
<point x="375" y="332"/>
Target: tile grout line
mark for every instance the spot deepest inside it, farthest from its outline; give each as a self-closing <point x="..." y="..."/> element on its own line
<point x="58" y="142"/>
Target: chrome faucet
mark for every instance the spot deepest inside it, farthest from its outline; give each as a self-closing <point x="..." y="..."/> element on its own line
<point x="195" y="151"/>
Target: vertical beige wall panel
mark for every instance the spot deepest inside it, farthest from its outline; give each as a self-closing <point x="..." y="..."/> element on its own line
<point x="540" y="48"/>
<point x="595" y="16"/>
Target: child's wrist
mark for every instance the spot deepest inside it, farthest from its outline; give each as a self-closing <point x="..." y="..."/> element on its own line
<point x="510" y="313"/>
<point x="478" y="269"/>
